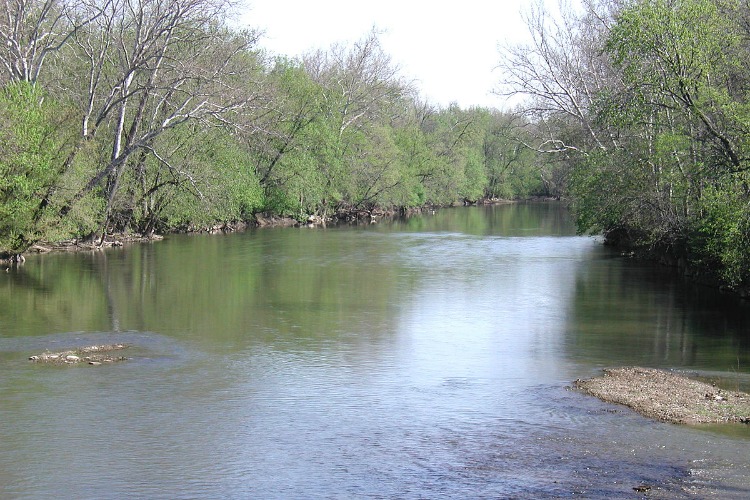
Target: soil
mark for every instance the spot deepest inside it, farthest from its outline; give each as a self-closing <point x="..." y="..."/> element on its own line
<point x="668" y="396"/>
<point x="92" y="355"/>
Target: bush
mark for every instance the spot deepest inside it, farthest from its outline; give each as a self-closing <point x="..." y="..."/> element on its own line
<point x="29" y="149"/>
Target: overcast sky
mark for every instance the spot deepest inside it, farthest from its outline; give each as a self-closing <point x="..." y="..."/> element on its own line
<point x="449" y="47"/>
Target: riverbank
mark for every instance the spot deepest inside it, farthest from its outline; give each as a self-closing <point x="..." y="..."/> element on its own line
<point x="668" y="396"/>
<point x="78" y="245"/>
<point x="674" y="257"/>
<point x="348" y="215"/>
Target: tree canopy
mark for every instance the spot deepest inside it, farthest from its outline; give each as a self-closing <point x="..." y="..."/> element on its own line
<point x="147" y="116"/>
<point x="647" y="100"/>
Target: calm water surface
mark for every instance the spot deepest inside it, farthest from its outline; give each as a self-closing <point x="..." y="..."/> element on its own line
<point x="427" y="358"/>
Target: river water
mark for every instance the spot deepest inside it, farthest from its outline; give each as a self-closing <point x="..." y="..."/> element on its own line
<point x="426" y="358"/>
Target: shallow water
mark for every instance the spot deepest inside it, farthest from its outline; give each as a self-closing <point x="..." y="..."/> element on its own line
<point x="428" y="358"/>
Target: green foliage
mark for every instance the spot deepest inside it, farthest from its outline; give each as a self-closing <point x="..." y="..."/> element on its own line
<point x="682" y="62"/>
<point x="203" y="134"/>
<point x="415" y="156"/>
<point x="721" y="236"/>
<point x="85" y="217"/>
<point x="324" y="154"/>
<point x="598" y="209"/>
<point x="674" y="179"/>
<point x="29" y="150"/>
<point x="475" y="176"/>
<point x="209" y="180"/>
<point x="678" y="40"/>
<point x="513" y="169"/>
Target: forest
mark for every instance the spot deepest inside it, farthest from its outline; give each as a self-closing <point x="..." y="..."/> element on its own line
<point x="646" y="104"/>
<point x="151" y="116"/>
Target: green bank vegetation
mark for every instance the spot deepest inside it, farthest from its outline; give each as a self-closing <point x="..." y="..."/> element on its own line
<point x="155" y="115"/>
<point x="646" y="103"/>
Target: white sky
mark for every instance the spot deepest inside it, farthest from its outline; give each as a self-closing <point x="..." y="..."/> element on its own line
<point x="449" y="47"/>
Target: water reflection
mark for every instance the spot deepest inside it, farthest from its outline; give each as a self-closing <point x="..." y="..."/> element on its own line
<point x="629" y="312"/>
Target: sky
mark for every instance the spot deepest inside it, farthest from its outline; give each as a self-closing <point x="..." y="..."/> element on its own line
<point x="449" y="48"/>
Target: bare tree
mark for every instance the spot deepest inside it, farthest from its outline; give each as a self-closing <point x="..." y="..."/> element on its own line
<point x="562" y="70"/>
<point x="152" y="66"/>
<point x="31" y="30"/>
<point x="358" y="82"/>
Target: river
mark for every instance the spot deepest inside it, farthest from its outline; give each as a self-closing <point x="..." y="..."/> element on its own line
<point x="424" y="358"/>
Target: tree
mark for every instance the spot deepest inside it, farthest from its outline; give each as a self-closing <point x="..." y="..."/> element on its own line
<point x="32" y="30"/>
<point x="512" y="167"/>
<point x="292" y="143"/>
<point x="677" y="55"/>
<point x="152" y="66"/>
<point x="646" y="101"/>
<point x="215" y="184"/>
<point x="561" y="72"/>
<point x="361" y="92"/>
<point x="359" y="83"/>
<point x="29" y="149"/>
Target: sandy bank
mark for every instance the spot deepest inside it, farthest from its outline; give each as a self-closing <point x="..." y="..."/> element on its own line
<point x="668" y="396"/>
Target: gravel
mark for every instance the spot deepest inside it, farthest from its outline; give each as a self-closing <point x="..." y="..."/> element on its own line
<point x="93" y="355"/>
<point x="667" y="396"/>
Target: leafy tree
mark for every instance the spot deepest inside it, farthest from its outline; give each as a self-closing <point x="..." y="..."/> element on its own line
<point x="30" y="148"/>
<point x="684" y="63"/>
<point x="289" y="142"/>
<point x="216" y="184"/>
<point x="154" y="115"/>
<point x="721" y="236"/>
<point x="361" y="93"/>
<point x="677" y="55"/>
<point x="646" y="101"/>
<point x="151" y="67"/>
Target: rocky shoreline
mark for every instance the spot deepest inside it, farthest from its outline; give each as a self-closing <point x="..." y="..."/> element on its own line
<point x="92" y="355"/>
<point x="668" y="396"/>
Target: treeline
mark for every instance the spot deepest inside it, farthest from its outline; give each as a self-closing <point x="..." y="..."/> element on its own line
<point x="154" y="115"/>
<point x="645" y="104"/>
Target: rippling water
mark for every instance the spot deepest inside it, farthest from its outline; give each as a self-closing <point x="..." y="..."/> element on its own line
<point x="427" y="358"/>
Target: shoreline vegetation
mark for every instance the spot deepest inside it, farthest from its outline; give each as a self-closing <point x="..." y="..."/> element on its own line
<point x="259" y="221"/>
<point x="668" y="397"/>
<point x="152" y="118"/>
<point x="161" y="117"/>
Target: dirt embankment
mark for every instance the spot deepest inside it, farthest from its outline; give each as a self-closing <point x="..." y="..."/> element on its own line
<point x="668" y="397"/>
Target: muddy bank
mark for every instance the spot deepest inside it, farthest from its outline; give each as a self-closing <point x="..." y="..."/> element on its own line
<point x="668" y="396"/>
<point x="92" y="355"/>
<point x="88" y="244"/>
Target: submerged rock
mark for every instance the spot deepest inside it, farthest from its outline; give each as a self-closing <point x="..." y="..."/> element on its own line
<point x="94" y="355"/>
